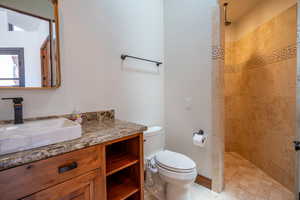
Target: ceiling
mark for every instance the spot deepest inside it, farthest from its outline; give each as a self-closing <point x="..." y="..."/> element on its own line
<point x="25" y="22"/>
<point x="237" y="8"/>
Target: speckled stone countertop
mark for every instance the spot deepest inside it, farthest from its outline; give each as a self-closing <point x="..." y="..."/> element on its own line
<point x="94" y="132"/>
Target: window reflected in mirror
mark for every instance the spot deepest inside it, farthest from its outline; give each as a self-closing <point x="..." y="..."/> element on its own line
<point x="12" y="72"/>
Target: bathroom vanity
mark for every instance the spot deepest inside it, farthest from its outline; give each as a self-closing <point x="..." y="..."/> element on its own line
<point x="105" y="163"/>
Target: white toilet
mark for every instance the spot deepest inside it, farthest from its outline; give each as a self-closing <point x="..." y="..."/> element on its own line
<point x="176" y="170"/>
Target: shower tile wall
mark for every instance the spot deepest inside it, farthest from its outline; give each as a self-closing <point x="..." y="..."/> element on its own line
<point x="218" y="62"/>
<point x="260" y="94"/>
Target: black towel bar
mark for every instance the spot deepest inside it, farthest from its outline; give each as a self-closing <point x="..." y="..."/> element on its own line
<point x="124" y="56"/>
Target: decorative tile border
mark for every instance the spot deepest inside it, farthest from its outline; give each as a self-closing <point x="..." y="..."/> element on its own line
<point x="276" y="56"/>
<point x="218" y="53"/>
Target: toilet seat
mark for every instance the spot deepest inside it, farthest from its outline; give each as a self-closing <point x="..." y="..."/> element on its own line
<point x="175" y="162"/>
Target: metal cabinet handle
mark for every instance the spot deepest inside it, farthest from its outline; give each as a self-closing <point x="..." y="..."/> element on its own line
<point x="66" y="168"/>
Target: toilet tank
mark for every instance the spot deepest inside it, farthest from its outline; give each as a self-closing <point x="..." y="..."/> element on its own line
<point x="154" y="140"/>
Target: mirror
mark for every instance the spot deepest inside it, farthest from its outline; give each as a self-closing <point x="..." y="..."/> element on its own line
<point x="29" y="44"/>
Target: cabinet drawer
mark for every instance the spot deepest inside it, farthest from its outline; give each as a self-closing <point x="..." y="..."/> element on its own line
<point x="83" y="187"/>
<point x="22" y="181"/>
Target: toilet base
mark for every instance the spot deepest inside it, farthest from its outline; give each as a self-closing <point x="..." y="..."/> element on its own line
<point x="177" y="192"/>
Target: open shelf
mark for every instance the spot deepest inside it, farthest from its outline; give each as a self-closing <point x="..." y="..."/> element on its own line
<point x="124" y="171"/>
<point x="118" y="161"/>
<point x="121" y="188"/>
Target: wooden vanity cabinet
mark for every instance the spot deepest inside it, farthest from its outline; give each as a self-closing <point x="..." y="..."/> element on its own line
<point x="112" y="171"/>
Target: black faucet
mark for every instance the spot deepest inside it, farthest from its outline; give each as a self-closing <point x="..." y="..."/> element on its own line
<point x="18" y="109"/>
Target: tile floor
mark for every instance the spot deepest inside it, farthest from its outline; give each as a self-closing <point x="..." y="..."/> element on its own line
<point x="243" y="181"/>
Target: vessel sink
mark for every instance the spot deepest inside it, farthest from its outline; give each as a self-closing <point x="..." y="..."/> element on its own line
<point x="14" y="138"/>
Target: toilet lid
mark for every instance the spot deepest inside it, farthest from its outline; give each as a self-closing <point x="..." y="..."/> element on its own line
<point x="174" y="161"/>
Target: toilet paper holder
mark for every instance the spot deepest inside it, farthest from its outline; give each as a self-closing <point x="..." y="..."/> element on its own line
<point x="200" y="138"/>
<point x="200" y="132"/>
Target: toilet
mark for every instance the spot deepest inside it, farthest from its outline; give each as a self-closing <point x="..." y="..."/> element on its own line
<point x="176" y="170"/>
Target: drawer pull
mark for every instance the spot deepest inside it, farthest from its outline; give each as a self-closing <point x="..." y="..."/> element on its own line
<point x="29" y="167"/>
<point x="66" y="168"/>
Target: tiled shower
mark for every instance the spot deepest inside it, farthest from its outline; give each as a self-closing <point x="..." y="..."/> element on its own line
<point x="260" y="96"/>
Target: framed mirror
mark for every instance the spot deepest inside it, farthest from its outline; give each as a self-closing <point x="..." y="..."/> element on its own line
<point x="29" y="44"/>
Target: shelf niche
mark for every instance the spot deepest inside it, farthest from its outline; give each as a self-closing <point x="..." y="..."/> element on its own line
<point x="123" y="169"/>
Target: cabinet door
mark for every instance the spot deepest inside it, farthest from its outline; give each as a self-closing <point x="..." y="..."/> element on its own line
<point x="85" y="187"/>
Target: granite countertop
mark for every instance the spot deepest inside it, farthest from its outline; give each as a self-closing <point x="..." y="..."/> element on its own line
<point x="94" y="132"/>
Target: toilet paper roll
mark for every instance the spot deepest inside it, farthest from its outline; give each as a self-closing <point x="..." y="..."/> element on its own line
<point x="199" y="140"/>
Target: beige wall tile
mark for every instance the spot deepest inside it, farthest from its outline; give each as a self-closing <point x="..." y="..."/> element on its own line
<point x="260" y="93"/>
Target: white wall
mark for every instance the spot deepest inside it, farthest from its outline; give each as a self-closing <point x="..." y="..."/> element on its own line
<point x="94" y="35"/>
<point x="188" y="77"/>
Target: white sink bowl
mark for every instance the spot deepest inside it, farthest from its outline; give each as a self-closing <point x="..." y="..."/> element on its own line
<point x="14" y="138"/>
